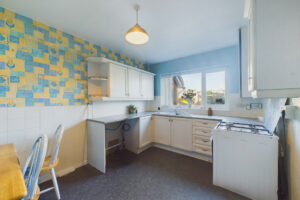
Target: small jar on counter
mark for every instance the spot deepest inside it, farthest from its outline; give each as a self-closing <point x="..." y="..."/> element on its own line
<point x="209" y="112"/>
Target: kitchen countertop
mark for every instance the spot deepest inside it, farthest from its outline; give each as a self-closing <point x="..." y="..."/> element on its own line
<point x="118" y="118"/>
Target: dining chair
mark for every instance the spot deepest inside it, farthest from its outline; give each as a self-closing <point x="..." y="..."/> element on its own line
<point x="33" y="166"/>
<point x="52" y="159"/>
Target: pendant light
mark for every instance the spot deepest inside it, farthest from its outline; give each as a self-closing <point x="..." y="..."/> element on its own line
<point x="137" y="35"/>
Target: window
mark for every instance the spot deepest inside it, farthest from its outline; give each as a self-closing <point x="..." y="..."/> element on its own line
<point x="215" y="87"/>
<point x="196" y="89"/>
<point x="188" y="85"/>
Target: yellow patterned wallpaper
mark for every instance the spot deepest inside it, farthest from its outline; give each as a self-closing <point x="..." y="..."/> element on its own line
<point x="43" y="66"/>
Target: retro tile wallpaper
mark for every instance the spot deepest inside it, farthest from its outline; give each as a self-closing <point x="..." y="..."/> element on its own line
<point x="43" y="66"/>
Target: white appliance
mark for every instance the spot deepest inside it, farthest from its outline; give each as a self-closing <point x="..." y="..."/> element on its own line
<point x="245" y="160"/>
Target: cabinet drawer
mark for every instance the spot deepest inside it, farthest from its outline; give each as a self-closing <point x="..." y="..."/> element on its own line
<point x="206" y="150"/>
<point x="197" y="130"/>
<point x="205" y="123"/>
<point x="202" y="140"/>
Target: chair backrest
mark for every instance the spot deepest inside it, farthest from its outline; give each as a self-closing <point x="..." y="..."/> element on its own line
<point x="55" y="143"/>
<point x="34" y="164"/>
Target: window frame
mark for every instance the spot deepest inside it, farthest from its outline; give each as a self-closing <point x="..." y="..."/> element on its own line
<point x="218" y="106"/>
<point x="204" y="104"/>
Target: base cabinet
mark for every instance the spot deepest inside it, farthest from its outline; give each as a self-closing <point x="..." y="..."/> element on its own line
<point x="173" y="131"/>
<point x="181" y="133"/>
<point x="201" y="136"/>
<point x="162" y="130"/>
<point x="192" y="135"/>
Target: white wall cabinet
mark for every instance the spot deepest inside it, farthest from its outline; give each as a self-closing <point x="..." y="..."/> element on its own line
<point x="117" y="81"/>
<point x="147" y="86"/>
<point x="274" y="47"/>
<point x="181" y="133"/>
<point x="162" y="130"/>
<point x="244" y="74"/>
<point x="145" y="136"/>
<point x="134" y="86"/>
<point x="110" y="80"/>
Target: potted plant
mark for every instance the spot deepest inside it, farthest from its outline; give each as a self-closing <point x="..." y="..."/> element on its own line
<point x="132" y="109"/>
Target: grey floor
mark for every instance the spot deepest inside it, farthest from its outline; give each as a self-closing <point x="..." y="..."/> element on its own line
<point x="154" y="174"/>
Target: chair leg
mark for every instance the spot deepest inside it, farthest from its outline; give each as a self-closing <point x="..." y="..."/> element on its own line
<point x="55" y="183"/>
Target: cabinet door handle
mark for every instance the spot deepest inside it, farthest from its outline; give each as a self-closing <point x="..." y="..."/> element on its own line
<point x="205" y="140"/>
<point x="204" y="149"/>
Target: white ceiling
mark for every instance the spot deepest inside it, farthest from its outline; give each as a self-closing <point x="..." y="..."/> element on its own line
<point x="177" y="28"/>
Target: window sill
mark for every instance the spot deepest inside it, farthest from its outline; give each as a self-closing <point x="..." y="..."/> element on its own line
<point x="202" y="108"/>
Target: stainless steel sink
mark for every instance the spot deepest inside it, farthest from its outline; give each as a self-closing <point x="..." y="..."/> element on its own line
<point x="180" y="114"/>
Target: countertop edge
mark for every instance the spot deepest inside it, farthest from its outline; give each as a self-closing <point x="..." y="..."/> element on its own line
<point x="190" y="117"/>
<point x="119" y="118"/>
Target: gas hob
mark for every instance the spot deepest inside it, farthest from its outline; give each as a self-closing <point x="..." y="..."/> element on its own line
<point x="246" y="128"/>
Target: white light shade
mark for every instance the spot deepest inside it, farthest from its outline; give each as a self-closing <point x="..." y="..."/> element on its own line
<point x="137" y="35"/>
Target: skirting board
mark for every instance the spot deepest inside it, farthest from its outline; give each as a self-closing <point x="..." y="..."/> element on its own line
<point x="183" y="152"/>
<point x="140" y="150"/>
<point x="180" y="151"/>
<point x="62" y="172"/>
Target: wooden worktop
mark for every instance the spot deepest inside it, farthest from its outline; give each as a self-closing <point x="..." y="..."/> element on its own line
<point x="12" y="184"/>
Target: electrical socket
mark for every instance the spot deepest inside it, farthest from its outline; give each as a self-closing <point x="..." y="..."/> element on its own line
<point x="252" y="106"/>
<point x="256" y="105"/>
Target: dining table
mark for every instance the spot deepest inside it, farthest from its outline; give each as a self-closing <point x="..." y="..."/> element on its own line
<point x="12" y="183"/>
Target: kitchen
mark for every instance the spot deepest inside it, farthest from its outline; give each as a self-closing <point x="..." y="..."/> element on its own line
<point x="197" y="100"/>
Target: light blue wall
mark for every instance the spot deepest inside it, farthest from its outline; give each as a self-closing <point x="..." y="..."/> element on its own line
<point x="220" y="58"/>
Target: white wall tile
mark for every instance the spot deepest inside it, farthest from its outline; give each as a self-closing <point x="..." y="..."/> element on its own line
<point x="31" y="135"/>
<point x="3" y="138"/>
<point x="101" y="109"/>
<point x="32" y="123"/>
<point x="3" y="113"/>
<point x="23" y="125"/>
<point x="237" y="107"/>
<point x="18" y="138"/>
<point x="90" y="111"/>
<point x="32" y="112"/>
<point x="47" y="120"/>
<point x="32" y="117"/>
<point x="17" y="124"/>
<point x="3" y="121"/>
<point x="15" y="113"/>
